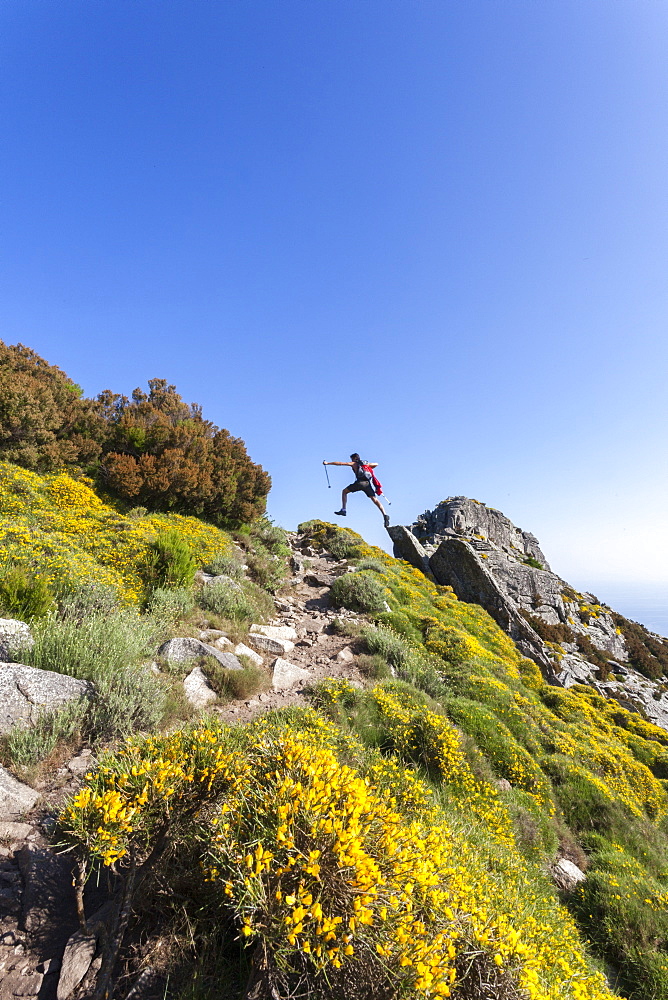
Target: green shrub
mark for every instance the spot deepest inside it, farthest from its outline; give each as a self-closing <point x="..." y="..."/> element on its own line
<point x="224" y="564"/>
<point x="267" y="571"/>
<point x="358" y="592"/>
<point x="342" y="543"/>
<point x="23" y="746"/>
<point x="530" y="561"/>
<point x="232" y="601"/>
<point x="273" y="538"/>
<point x="171" y="604"/>
<point x="84" y="599"/>
<point x="386" y="643"/>
<point x="374" y="667"/>
<point x="373" y="565"/>
<point x="105" y="649"/>
<point x="169" y="562"/>
<point x="235" y="685"/>
<point x="24" y="596"/>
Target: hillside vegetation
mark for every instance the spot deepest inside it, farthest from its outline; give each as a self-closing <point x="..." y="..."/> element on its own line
<point x="365" y="847"/>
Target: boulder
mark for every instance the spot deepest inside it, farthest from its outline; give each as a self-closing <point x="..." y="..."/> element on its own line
<point x="14" y="635"/>
<point x="275" y="631"/>
<point x="182" y="650"/>
<point x="286" y="675"/>
<point x="407" y="547"/>
<point x="567" y="875"/>
<point x="266" y="644"/>
<point x="27" y="691"/>
<point x="223" y="580"/>
<point x="345" y="655"/>
<point x="319" y="579"/>
<point x="197" y="689"/>
<point x="241" y="650"/>
<point x="15" y="831"/>
<point x="79" y="953"/>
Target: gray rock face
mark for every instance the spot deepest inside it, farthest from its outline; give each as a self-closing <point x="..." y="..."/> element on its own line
<point x="567" y="875"/>
<point x="182" y="650"/>
<point x="27" y="691"/>
<point x="407" y="547"/>
<point x="14" y="636"/>
<point x="15" y="797"/>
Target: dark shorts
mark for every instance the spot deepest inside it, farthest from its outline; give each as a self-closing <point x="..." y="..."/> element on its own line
<point x="365" y="487"/>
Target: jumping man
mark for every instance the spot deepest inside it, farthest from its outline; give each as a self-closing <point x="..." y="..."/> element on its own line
<point x="362" y="482"/>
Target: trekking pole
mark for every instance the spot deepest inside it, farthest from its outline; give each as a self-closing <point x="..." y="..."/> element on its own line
<point x="385" y="497"/>
<point x="327" y="474"/>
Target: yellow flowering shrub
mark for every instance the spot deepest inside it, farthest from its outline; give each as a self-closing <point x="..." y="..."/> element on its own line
<point x="339" y="862"/>
<point x="67" y="533"/>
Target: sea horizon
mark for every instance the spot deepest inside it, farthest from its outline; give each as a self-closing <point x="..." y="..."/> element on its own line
<point x="646" y="603"/>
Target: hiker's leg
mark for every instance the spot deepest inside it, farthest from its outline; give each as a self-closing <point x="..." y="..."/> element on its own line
<point x="344" y="497"/>
<point x="379" y="505"/>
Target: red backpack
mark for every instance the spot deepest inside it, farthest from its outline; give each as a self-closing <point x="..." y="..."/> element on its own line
<point x="368" y="472"/>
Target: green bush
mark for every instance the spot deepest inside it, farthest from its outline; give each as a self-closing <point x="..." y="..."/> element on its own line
<point x="82" y="600"/>
<point x="169" y="562"/>
<point x="24" y="596"/>
<point x="223" y="564"/>
<point x="232" y="601"/>
<point x="386" y="643"/>
<point x="373" y="565"/>
<point x="171" y="604"/>
<point x="358" y="592"/>
<point x="25" y="746"/>
<point x="374" y="667"/>
<point x="235" y="685"/>
<point x="105" y="649"/>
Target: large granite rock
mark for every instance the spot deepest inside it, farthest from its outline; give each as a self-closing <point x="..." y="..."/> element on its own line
<point x="455" y="564"/>
<point x="27" y="691"/>
<point x="197" y="689"/>
<point x="407" y="547"/>
<point x="14" y="636"/>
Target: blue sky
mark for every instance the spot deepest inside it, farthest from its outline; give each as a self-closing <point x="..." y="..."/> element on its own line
<point x="432" y="232"/>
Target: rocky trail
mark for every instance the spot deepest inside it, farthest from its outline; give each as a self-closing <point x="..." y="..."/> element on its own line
<point x="42" y="951"/>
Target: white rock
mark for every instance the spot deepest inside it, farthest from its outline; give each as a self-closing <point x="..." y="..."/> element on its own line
<point x="241" y="650"/>
<point x="267" y="645"/>
<point x="198" y="690"/>
<point x="15" y="831"/>
<point x="79" y="953"/>
<point x="566" y="874"/>
<point x="275" y="631"/>
<point x="222" y="643"/>
<point x="286" y="675"/>
<point x="345" y="655"/>
<point x="15" y="797"/>
<point x="26" y="691"/>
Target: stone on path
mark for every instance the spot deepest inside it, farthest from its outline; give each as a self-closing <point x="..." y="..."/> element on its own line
<point x="181" y="650"/>
<point x="197" y="689"/>
<point x="27" y="691"/>
<point x="266" y="644"/>
<point x="15" y="831"/>
<point x="286" y="675"/>
<point x="242" y="650"/>
<point x="275" y="632"/>
<point x="15" y="797"/>
<point x="345" y="655"/>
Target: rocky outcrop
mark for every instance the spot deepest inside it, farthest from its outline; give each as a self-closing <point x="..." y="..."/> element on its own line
<point x="487" y="560"/>
<point x="27" y="691"/>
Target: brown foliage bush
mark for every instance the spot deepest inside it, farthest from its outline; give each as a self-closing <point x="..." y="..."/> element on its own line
<point x="163" y="454"/>
<point x="44" y="422"/>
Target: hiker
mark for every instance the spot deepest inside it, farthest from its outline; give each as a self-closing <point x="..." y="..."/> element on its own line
<point x="363" y="481"/>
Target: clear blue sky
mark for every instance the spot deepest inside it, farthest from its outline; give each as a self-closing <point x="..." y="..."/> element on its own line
<point x="432" y="232"/>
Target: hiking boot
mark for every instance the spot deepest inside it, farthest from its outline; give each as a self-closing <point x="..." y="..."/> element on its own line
<point x="341" y="513"/>
<point x="386" y="520"/>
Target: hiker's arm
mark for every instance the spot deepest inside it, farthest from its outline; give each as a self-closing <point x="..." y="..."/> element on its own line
<point x="372" y="465"/>
<point x="338" y="463"/>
